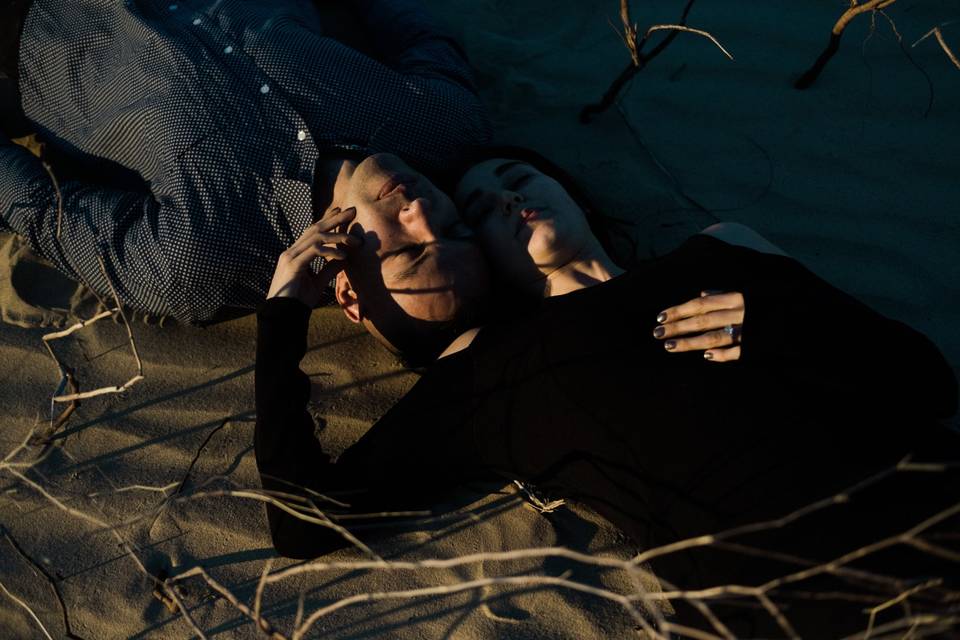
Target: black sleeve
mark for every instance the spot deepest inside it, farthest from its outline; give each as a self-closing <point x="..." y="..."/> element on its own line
<point x="419" y="446"/>
<point x="821" y="336"/>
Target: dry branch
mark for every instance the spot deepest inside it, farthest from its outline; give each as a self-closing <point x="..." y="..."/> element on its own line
<point x="833" y="45"/>
<point x="763" y="597"/>
<point x="53" y="583"/>
<point x="938" y="34"/>
<point x="638" y="60"/>
<point x="66" y="372"/>
<point x="26" y="607"/>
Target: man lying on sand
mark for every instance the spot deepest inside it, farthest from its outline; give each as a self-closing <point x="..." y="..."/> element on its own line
<point x="575" y="395"/>
<point x="207" y="133"/>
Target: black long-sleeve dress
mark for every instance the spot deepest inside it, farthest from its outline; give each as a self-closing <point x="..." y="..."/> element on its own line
<point x="579" y="399"/>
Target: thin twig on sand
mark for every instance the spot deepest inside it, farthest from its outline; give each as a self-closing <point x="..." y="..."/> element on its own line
<point x="938" y="34"/>
<point x="638" y="59"/>
<point x="810" y="75"/>
<point x="53" y="583"/>
<point x="66" y="372"/>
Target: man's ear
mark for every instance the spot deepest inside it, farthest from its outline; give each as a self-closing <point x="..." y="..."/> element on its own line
<point x="347" y="298"/>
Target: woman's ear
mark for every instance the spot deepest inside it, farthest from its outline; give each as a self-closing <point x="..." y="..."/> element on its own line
<point x="347" y="298"/>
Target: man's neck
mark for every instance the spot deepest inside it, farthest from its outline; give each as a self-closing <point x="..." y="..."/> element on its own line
<point x="590" y="267"/>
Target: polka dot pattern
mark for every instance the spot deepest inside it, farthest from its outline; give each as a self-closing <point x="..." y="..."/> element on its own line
<point x="222" y="107"/>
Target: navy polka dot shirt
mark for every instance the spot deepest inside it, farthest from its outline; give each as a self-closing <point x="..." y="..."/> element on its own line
<point x="222" y="107"/>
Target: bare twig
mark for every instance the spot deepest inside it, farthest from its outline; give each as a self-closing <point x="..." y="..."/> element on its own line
<point x="938" y="34"/>
<point x="629" y="32"/>
<point x="873" y="611"/>
<point x="810" y="75"/>
<point x="638" y="60"/>
<point x="262" y="624"/>
<point x="53" y="583"/>
<point x="26" y="607"/>
<point x="77" y="395"/>
<point x="261" y="585"/>
<point x="680" y="27"/>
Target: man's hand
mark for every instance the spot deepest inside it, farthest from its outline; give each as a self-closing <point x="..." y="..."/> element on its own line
<point x="715" y="317"/>
<point x="294" y="277"/>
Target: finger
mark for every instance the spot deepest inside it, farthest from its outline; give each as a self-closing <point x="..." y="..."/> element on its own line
<point x="722" y="355"/>
<point x="318" y="250"/>
<point x="711" y="292"/>
<point x="709" y="340"/>
<point x="699" y="324"/>
<point x="701" y="305"/>
<point x="314" y="232"/>
<point x="336" y="217"/>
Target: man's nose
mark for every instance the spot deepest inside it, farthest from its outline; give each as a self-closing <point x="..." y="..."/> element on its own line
<point x="416" y="219"/>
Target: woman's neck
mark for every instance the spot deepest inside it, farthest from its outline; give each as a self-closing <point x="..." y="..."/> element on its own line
<point x="589" y="267"/>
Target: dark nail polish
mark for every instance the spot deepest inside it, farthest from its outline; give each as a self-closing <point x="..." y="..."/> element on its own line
<point x="662" y="316"/>
<point x="707" y="355"/>
<point x="669" y="344"/>
<point x="658" y="332"/>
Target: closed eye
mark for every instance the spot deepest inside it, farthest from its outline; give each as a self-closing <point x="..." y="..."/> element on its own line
<point x="520" y="181"/>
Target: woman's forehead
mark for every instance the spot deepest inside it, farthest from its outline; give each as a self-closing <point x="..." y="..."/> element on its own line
<point x="485" y="174"/>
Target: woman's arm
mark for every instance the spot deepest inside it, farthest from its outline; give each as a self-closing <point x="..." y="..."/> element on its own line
<point x="800" y="326"/>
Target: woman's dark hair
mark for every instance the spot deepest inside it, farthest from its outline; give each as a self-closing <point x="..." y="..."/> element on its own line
<point x="600" y="225"/>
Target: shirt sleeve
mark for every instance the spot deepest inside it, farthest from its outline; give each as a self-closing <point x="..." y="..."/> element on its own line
<point x="822" y="337"/>
<point x="419" y="447"/>
<point x="72" y="224"/>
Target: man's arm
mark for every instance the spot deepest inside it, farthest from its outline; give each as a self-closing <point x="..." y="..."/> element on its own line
<point x="75" y="225"/>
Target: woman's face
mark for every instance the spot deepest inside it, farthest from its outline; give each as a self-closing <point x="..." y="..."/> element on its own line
<point x="527" y="224"/>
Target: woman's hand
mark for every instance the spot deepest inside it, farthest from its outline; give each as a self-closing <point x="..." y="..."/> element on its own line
<point x="294" y="278"/>
<point x="715" y="316"/>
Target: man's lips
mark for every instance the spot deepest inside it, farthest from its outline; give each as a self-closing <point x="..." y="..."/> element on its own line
<point x="395" y="183"/>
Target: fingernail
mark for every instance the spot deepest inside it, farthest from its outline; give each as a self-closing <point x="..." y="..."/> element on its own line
<point x="662" y="316"/>
<point x="658" y="332"/>
<point x="669" y="345"/>
<point x="708" y="355"/>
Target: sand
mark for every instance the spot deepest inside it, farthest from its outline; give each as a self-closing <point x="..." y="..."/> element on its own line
<point x="856" y="177"/>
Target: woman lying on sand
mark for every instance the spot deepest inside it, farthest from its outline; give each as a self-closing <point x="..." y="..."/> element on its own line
<point x="575" y="394"/>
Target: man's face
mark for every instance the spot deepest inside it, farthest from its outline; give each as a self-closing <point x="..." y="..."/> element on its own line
<point x="417" y="254"/>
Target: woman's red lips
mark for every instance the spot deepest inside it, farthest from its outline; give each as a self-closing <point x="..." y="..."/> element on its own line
<point x="529" y="214"/>
<point x="393" y="184"/>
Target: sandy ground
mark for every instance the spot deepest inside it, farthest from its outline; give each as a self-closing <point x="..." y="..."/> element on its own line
<point x="857" y="177"/>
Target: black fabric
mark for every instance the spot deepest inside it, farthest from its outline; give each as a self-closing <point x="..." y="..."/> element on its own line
<point x="13" y="12"/>
<point x="578" y="398"/>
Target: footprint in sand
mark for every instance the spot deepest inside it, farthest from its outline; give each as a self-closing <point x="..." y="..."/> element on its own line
<point x="32" y="292"/>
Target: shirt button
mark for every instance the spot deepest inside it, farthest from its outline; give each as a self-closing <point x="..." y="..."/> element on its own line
<point x="301" y="135"/>
<point x="196" y="22"/>
<point x="265" y="89"/>
<point x="228" y="50"/>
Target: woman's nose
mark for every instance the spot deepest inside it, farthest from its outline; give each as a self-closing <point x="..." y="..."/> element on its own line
<point x="510" y="202"/>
